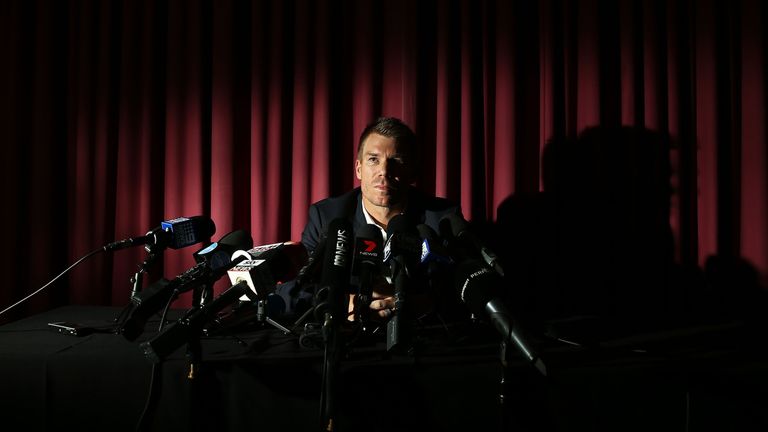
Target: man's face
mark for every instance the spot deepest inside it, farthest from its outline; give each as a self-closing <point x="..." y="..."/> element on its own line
<point x="382" y="171"/>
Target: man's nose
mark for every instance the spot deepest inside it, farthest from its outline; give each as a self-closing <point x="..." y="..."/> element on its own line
<point x="383" y="167"/>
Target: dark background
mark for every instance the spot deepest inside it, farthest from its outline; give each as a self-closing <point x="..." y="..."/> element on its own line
<point x="117" y="115"/>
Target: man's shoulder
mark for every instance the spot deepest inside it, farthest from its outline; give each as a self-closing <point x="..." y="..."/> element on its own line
<point x="430" y="209"/>
<point x="431" y="203"/>
<point x="338" y="205"/>
<point x="439" y="204"/>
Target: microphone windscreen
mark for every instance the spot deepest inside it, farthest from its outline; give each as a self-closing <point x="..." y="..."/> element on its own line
<point x="427" y="233"/>
<point x="401" y="224"/>
<point x="458" y="224"/>
<point x="403" y="240"/>
<point x="283" y="259"/>
<point x="293" y="257"/>
<point x="369" y="231"/>
<point x="238" y="239"/>
<point x="219" y="254"/>
<point x="476" y="284"/>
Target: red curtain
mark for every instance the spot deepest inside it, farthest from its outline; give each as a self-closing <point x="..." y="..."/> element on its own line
<point x="117" y="115"/>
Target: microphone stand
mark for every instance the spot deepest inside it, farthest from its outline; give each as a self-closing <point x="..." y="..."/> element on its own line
<point x="525" y="404"/>
<point x="503" y="397"/>
<point x="333" y="344"/>
<point x="195" y="377"/>
<point x="137" y="280"/>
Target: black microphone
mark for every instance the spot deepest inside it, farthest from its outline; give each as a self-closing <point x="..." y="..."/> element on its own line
<point x="190" y="326"/>
<point x="151" y="300"/>
<point x="436" y="261"/>
<point x="311" y="270"/>
<point x="267" y="265"/>
<point x="331" y="308"/>
<point x="460" y="229"/>
<point x="219" y="254"/>
<point x="401" y="251"/>
<point x="175" y="234"/>
<point x="367" y="265"/>
<point x="433" y="253"/>
<point x="337" y="264"/>
<point x="261" y="269"/>
<point x="477" y="285"/>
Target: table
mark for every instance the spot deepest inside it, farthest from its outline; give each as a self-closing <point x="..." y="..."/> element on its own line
<point x="703" y="378"/>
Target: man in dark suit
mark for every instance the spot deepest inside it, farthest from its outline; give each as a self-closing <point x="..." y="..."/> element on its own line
<point x="386" y="157"/>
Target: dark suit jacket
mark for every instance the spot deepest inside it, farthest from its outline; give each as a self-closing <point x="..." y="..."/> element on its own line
<point x="422" y="209"/>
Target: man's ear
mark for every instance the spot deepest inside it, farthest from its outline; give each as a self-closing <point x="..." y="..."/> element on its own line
<point x="357" y="169"/>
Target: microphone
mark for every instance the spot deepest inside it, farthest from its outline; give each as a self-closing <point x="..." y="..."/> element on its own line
<point x="334" y="284"/>
<point x="435" y="258"/>
<point x="190" y="326"/>
<point x="476" y="283"/>
<point x="261" y="269"/>
<point x="460" y="230"/>
<point x="219" y="254"/>
<point x="433" y="253"/>
<point x="265" y="266"/>
<point x="401" y="252"/>
<point x="151" y="300"/>
<point x="175" y="234"/>
<point x="367" y="264"/>
<point x="331" y="308"/>
<point x="310" y="271"/>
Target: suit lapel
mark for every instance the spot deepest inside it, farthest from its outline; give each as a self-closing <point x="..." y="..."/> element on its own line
<point x="359" y="218"/>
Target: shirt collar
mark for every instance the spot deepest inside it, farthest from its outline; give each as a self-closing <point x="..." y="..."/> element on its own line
<point x="369" y="220"/>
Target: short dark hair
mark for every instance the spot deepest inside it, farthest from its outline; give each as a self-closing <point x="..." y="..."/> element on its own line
<point x="390" y="127"/>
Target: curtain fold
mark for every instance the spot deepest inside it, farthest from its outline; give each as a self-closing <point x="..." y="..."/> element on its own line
<point x="117" y="115"/>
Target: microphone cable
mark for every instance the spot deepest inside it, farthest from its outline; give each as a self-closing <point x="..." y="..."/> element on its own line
<point x="86" y="256"/>
<point x="154" y="376"/>
<point x="141" y="425"/>
<point x="167" y="307"/>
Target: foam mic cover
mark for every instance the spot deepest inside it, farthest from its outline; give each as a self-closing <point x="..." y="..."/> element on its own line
<point x="478" y="286"/>
<point x="267" y="265"/>
<point x="460" y="230"/>
<point x="219" y="254"/>
<point x="403" y="243"/>
<point x="284" y="259"/>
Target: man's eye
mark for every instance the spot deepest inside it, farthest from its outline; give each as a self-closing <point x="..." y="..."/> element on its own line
<point x="372" y="159"/>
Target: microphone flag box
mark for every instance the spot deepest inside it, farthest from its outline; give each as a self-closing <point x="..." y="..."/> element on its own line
<point x="255" y="273"/>
<point x="182" y="229"/>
